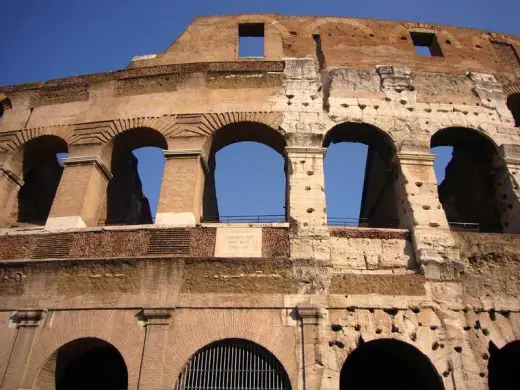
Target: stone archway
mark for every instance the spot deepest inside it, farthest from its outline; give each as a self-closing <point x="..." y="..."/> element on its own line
<point x="504" y="367"/>
<point x="84" y="364"/>
<point x="388" y="364"/>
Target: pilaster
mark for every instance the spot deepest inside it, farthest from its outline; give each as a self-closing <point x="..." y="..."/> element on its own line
<point x="156" y="322"/>
<point x="422" y="213"/>
<point x="182" y="187"/>
<point x="28" y="324"/>
<point x="81" y="193"/>
<point x="306" y="203"/>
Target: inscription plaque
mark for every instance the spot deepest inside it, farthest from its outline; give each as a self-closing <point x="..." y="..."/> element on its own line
<point x="239" y="242"/>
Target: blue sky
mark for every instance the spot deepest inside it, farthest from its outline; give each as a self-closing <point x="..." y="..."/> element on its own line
<point x="49" y="39"/>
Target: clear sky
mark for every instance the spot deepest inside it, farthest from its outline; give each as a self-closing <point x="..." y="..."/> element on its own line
<point x="45" y="39"/>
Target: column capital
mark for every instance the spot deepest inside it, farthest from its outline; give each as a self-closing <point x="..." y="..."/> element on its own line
<point x="28" y="318"/>
<point x="421" y="158"/>
<point x="188" y="153"/>
<point x="305" y="150"/>
<point x="310" y="314"/>
<point x="155" y="316"/>
<point x="89" y="160"/>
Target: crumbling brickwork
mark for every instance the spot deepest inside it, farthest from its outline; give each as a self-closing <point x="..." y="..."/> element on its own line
<point x="85" y="272"/>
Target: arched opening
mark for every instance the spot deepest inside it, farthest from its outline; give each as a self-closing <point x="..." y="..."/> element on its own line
<point x="467" y="191"/>
<point x="233" y="364"/>
<point x="5" y="104"/>
<point x="246" y="178"/>
<point x="388" y="364"/>
<point x="504" y="367"/>
<point x="513" y="103"/>
<point x="359" y="176"/>
<point x="85" y="364"/>
<point x="41" y="174"/>
<point x="137" y="165"/>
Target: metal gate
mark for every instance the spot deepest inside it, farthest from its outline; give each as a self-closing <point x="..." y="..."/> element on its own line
<point x="233" y="364"/>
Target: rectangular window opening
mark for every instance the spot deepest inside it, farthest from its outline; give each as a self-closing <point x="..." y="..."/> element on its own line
<point x="251" y="40"/>
<point x="426" y="44"/>
<point x="506" y="53"/>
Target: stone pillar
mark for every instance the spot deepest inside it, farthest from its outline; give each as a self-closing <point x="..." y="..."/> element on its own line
<point x="306" y="205"/>
<point x="156" y="322"/>
<point x="10" y="184"/>
<point x="182" y="188"/>
<point x="81" y="193"/>
<point x="312" y="339"/>
<point x="28" y="324"/>
<point x="507" y="185"/>
<point x="422" y="212"/>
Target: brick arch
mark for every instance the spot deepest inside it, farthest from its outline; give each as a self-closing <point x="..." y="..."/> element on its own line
<point x="315" y="26"/>
<point x="212" y="327"/>
<point x="77" y="325"/>
<point x="470" y="131"/>
<point x="5" y="104"/>
<point x="512" y="88"/>
<point x="14" y="140"/>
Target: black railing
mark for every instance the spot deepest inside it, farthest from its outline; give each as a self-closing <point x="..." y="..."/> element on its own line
<point x="363" y="222"/>
<point x="465" y="226"/>
<point x="266" y="218"/>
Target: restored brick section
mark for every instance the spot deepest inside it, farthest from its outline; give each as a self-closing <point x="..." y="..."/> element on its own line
<point x="378" y="284"/>
<point x="246" y="276"/>
<point x="275" y="242"/>
<point x="384" y="234"/>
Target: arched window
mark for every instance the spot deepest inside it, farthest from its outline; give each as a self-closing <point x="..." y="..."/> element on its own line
<point x="246" y="178"/>
<point x="128" y="200"/>
<point x="5" y="104"/>
<point x="233" y="364"/>
<point x="88" y="363"/>
<point x="504" y="366"/>
<point x="388" y="364"/>
<point x="513" y="103"/>
<point x="359" y="176"/>
<point x="41" y="174"/>
<point x="467" y="191"/>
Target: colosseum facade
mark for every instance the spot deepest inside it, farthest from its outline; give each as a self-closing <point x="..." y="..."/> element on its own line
<point x="97" y="294"/>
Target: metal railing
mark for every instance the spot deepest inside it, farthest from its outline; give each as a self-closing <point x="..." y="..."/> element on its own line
<point x="363" y="222"/>
<point x="233" y="364"/>
<point x="266" y="218"/>
<point x="465" y="226"/>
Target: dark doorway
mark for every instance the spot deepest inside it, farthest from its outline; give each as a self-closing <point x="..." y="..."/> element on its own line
<point x="504" y="367"/>
<point x="90" y="363"/>
<point x="388" y="364"/>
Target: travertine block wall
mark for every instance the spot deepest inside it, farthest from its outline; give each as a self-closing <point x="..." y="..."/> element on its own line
<point x="159" y="293"/>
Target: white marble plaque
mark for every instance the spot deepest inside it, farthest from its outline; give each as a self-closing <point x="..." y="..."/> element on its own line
<point x="238" y="242"/>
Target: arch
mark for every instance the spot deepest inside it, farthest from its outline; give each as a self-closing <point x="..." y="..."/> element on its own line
<point x="513" y="103"/>
<point x="41" y="173"/>
<point x="126" y="202"/>
<point x="504" y="366"/>
<point x="5" y="104"/>
<point x="467" y="192"/>
<point x="233" y="133"/>
<point x="378" y="198"/>
<point x="233" y="364"/>
<point x="84" y="363"/>
<point x="388" y="364"/>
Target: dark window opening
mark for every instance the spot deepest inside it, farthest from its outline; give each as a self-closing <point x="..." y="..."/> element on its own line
<point x="129" y="191"/>
<point x="246" y="177"/>
<point x="467" y="190"/>
<point x="42" y="170"/>
<point x="504" y="366"/>
<point x="90" y="363"/>
<point x="513" y="103"/>
<point x="426" y="44"/>
<point x="359" y="177"/>
<point x="506" y="53"/>
<point x="251" y="40"/>
<point x="389" y="364"/>
<point x="233" y="364"/>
